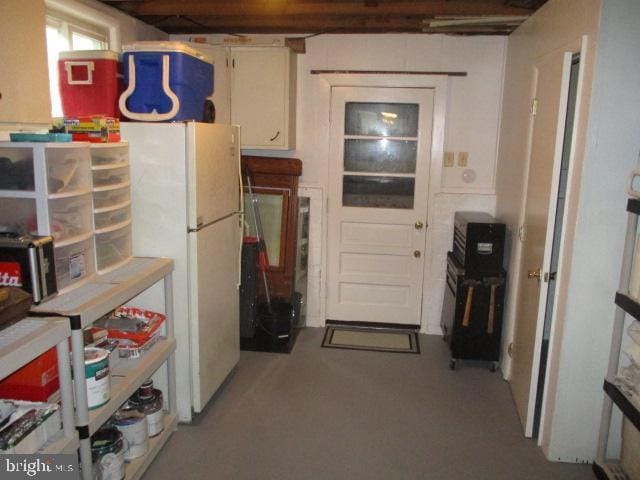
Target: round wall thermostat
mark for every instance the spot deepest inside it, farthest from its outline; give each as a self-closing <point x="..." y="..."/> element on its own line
<point x="469" y="175"/>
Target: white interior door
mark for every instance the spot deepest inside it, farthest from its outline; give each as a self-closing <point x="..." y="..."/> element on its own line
<point x="537" y="232"/>
<point x="379" y="174"/>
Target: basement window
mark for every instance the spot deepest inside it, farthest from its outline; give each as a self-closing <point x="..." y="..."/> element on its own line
<point x="66" y="33"/>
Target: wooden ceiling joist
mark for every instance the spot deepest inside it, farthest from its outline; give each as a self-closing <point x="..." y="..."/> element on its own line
<point x="277" y="8"/>
<point x="319" y="16"/>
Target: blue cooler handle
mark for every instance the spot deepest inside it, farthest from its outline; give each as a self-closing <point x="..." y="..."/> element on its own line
<point x="153" y="116"/>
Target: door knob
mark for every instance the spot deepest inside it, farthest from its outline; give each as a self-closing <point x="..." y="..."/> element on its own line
<point x="419" y="225"/>
<point x="416" y="253"/>
<point x="534" y="274"/>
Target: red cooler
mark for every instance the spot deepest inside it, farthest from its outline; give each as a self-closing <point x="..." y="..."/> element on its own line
<point x="89" y="83"/>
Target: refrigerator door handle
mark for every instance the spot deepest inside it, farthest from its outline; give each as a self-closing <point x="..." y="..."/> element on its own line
<point x="240" y="236"/>
<point x="201" y="225"/>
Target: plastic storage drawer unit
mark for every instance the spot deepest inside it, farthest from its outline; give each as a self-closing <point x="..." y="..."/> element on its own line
<point x="166" y="81"/>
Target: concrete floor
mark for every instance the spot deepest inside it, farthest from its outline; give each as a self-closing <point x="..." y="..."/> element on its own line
<point x="322" y="413"/>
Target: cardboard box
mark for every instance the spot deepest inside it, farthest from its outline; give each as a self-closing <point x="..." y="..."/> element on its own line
<point x="96" y="129"/>
<point x="36" y="381"/>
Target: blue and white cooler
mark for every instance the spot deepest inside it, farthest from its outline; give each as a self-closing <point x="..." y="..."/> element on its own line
<point x="166" y="81"/>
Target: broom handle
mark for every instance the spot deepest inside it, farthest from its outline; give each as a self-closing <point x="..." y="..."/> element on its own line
<point x="258" y="226"/>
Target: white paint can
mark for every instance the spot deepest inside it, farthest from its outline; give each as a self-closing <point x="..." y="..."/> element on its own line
<point x="133" y="426"/>
<point x="96" y="370"/>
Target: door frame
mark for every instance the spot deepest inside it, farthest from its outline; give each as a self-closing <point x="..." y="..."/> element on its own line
<point x="439" y="85"/>
<point x="578" y="47"/>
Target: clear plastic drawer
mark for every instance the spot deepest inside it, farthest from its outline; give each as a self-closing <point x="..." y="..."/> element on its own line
<point x="109" y="218"/>
<point x="113" y="248"/>
<point x="74" y="263"/>
<point x="18" y="215"/>
<point x="109" y="198"/>
<point x="110" y="177"/>
<point x="70" y="217"/>
<point x="106" y="155"/>
<point x="16" y="169"/>
<point x="68" y="170"/>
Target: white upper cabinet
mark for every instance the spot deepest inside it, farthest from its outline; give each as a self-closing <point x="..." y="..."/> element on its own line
<point x="263" y="92"/>
<point x="24" y="79"/>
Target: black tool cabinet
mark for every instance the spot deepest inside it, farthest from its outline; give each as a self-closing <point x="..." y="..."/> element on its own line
<point x="474" y="300"/>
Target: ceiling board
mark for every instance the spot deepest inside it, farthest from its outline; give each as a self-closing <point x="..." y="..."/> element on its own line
<point x="326" y="16"/>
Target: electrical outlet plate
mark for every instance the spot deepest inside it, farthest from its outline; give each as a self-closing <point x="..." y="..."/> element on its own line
<point x="463" y="159"/>
<point x="449" y="159"/>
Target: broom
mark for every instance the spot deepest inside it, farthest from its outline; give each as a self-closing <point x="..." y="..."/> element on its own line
<point x="262" y="252"/>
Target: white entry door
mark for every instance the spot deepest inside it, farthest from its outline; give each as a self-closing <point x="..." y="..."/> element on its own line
<point x="537" y="232"/>
<point x="379" y="174"/>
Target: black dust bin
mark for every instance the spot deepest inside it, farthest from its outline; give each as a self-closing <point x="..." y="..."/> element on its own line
<point x="276" y="323"/>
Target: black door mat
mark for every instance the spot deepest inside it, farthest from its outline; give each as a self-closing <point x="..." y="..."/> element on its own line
<point x="372" y="339"/>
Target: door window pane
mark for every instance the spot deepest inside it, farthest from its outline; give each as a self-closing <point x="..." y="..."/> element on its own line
<point x="377" y="192"/>
<point x="270" y="212"/>
<point x="380" y="156"/>
<point x="381" y="119"/>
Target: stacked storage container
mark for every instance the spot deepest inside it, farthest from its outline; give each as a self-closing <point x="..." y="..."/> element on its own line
<point x="89" y="83"/>
<point x="111" y="204"/>
<point x="45" y="189"/>
<point x="166" y="81"/>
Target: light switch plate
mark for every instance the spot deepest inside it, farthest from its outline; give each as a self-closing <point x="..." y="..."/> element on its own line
<point x="449" y="159"/>
<point x="463" y="159"/>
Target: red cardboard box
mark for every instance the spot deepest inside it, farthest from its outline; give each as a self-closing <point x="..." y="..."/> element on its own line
<point x="36" y="381"/>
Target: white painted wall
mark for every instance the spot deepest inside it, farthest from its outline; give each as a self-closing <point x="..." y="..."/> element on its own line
<point x="605" y="149"/>
<point x="472" y="121"/>
<point x="611" y="152"/>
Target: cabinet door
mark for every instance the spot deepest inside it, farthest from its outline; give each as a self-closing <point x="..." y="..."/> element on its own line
<point x="260" y="96"/>
<point x="24" y="80"/>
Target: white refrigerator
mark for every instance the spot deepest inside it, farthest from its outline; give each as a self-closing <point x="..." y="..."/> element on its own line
<point x="187" y="205"/>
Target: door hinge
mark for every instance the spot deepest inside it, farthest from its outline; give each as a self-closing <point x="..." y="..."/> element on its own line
<point x="510" y="349"/>
<point x="534" y="107"/>
<point x="521" y="233"/>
